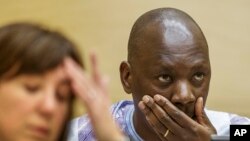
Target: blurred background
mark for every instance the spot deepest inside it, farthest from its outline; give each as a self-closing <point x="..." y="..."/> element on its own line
<point x="104" y="26"/>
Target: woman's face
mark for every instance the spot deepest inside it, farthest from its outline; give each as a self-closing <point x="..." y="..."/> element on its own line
<point x="34" y="107"/>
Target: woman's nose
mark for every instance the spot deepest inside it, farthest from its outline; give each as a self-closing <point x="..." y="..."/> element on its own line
<point x="48" y="103"/>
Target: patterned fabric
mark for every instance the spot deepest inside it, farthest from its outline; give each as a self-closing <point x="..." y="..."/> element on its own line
<point x="81" y="130"/>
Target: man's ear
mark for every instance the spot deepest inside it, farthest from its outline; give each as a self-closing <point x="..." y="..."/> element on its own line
<point x="126" y="76"/>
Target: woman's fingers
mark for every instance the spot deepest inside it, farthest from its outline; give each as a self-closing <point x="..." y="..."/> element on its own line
<point x="81" y="86"/>
<point x="95" y="72"/>
<point x="94" y="96"/>
<point x="100" y="80"/>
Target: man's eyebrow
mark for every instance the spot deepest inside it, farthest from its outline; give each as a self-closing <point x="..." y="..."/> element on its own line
<point x="164" y="67"/>
<point x="200" y="65"/>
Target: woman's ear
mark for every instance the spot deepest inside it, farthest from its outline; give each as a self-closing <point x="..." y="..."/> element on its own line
<point x="126" y="76"/>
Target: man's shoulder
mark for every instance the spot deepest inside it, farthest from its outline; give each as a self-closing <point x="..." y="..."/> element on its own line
<point x="231" y="118"/>
<point x="120" y="108"/>
<point x="222" y="120"/>
<point x="80" y="128"/>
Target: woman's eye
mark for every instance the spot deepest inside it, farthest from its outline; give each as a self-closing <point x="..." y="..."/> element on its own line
<point x="198" y="76"/>
<point x="63" y="94"/>
<point x="165" y="78"/>
<point x="63" y="97"/>
<point x="32" y="88"/>
<point x="60" y="97"/>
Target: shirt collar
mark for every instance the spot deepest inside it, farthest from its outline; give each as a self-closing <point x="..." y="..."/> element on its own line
<point x="130" y="126"/>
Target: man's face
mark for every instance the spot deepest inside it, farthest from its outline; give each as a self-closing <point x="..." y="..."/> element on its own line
<point x="171" y="63"/>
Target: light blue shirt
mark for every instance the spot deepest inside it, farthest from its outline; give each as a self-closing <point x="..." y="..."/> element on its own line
<point x="81" y="129"/>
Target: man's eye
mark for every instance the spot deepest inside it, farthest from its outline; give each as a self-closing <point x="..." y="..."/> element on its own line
<point x="165" y="78"/>
<point x="198" y="76"/>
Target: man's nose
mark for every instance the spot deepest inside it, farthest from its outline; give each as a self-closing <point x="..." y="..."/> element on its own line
<point x="183" y="93"/>
<point x="48" y="103"/>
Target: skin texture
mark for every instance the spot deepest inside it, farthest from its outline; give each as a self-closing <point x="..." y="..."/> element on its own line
<point x="168" y="73"/>
<point x="34" y="107"/>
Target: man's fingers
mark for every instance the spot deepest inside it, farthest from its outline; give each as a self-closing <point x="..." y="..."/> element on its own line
<point x="160" y="135"/>
<point x="151" y="118"/>
<point x="161" y="115"/>
<point x="179" y="116"/>
<point x="145" y="110"/>
<point x="199" y="112"/>
<point x="156" y="125"/>
<point x="201" y="116"/>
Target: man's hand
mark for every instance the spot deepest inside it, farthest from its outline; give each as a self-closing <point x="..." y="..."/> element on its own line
<point x="171" y="124"/>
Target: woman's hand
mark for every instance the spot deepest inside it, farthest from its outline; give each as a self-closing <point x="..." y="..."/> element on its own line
<point x="93" y="93"/>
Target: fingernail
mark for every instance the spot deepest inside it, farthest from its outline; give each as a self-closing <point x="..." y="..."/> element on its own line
<point x="141" y="105"/>
<point x="200" y="99"/>
<point x="157" y="98"/>
<point x="145" y="99"/>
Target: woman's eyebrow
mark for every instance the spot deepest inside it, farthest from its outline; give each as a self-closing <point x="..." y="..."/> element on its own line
<point x="65" y="81"/>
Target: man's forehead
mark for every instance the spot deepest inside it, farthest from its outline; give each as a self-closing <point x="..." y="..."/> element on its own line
<point x="173" y="61"/>
<point x="188" y="52"/>
<point x="172" y="39"/>
<point x="174" y="53"/>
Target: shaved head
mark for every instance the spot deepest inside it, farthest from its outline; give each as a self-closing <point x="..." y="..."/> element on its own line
<point x="167" y="55"/>
<point x="175" y="26"/>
